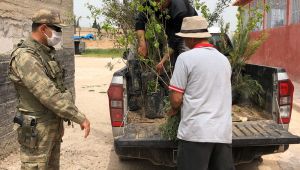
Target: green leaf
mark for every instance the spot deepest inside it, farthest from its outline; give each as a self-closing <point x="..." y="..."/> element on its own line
<point x="140" y="8"/>
<point x="156" y="44"/>
<point x="158" y="28"/>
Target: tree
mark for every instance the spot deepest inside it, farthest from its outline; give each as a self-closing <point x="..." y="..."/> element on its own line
<point x="117" y="15"/>
<point x="243" y="47"/>
<point x="96" y="25"/>
<point x="215" y="16"/>
<point x="95" y="14"/>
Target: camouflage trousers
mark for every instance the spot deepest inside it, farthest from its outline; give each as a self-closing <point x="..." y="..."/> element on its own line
<point x="45" y="152"/>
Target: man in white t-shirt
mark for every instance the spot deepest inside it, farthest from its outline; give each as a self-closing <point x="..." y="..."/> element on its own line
<point x="201" y="88"/>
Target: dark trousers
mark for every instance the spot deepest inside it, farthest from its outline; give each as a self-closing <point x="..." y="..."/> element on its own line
<point x="204" y="156"/>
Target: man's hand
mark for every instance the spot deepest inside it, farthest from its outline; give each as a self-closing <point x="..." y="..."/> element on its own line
<point x="167" y="54"/>
<point x="160" y="67"/>
<point x="142" y="50"/>
<point x="85" y="125"/>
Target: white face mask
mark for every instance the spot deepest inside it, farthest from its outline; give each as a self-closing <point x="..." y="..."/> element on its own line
<point x="55" y="38"/>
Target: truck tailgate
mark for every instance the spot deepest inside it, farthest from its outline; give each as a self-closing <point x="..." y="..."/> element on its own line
<point x="252" y="133"/>
<point x="266" y="132"/>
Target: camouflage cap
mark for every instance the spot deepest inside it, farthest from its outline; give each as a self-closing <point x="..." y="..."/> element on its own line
<point x="45" y="16"/>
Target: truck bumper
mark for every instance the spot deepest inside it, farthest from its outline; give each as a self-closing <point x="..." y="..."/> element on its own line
<point x="158" y="156"/>
<point x="250" y="140"/>
<point x="168" y="156"/>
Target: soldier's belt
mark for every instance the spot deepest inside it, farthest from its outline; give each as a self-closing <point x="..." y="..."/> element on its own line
<point x="40" y="118"/>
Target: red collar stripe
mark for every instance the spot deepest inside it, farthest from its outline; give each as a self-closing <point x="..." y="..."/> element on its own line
<point x="174" y="88"/>
<point x="203" y="45"/>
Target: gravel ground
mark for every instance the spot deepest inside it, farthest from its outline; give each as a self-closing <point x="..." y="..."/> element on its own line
<point x="97" y="152"/>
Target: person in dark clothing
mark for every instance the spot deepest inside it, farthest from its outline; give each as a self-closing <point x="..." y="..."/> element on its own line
<point x="176" y="10"/>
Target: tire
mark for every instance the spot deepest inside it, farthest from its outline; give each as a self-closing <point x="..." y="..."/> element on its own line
<point x="259" y="160"/>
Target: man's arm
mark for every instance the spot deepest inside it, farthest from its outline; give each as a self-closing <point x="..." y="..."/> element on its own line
<point x="140" y="26"/>
<point x="142" y="49"/>
<point x="40" y="85"/>
<point x="176" y="102"/>
<point x="178" y="85"/>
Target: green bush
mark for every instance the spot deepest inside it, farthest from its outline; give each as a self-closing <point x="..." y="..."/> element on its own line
<point x="105" y="53"/>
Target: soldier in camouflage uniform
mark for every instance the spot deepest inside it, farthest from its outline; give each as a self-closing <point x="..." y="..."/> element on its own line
<point x="44" y="102"/>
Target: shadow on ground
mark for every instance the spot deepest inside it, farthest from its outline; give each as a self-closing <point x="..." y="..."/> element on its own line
<point x="135" y="164"/>
<point x="132" y="164"/>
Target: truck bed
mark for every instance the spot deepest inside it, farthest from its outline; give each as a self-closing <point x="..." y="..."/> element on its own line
<point x="251" y="127"/>
<point x="247" y="113"/>
<point x="250" y="133"/>
<point x="239" y="114"/>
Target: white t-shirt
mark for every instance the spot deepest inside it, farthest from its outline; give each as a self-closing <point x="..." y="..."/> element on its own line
<point x="204" y="76"/>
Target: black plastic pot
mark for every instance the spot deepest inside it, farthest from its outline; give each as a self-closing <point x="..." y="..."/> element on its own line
<point x="146" y="77"/>
<point x="235" y="97"/>
<point x="134" y="77"/>
<point x="134" y="102"/>
<point x="154" y="105"/>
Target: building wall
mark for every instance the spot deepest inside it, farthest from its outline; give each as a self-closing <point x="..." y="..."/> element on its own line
<point x="15" y="24"/>
<point x="282" y="22"/>
<point x="15" y="20"/>
<point x="281" y="50"/>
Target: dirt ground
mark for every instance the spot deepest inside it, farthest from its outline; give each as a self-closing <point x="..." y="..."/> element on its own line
<point x="97" y="152"/>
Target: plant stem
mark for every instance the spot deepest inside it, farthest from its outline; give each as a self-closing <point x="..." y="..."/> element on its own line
<point x="152" y="70"/>
<point x="156" y="83"/>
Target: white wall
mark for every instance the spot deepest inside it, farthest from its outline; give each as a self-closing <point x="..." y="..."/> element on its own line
<point x="15" y="19"/>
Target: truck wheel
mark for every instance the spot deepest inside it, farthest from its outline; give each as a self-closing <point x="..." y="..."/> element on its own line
<point x="259" y="160"/>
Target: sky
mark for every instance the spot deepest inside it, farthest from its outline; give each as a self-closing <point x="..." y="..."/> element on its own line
<point x="81" y="10"/>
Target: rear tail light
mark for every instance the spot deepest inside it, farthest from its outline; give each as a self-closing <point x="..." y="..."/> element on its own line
<point x="116" y="105"/>
<point x="285" y="101"/>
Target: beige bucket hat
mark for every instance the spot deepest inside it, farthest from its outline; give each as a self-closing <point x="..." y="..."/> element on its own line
<point x="45" y="16"/>
<point x="194" y="27"/>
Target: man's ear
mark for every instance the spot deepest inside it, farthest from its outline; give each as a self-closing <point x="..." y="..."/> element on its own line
<point x="187" y="41"/>
<point x="43" y="28"/>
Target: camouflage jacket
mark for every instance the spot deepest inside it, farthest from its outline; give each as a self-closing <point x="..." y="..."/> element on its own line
<point x="38" y="79"/>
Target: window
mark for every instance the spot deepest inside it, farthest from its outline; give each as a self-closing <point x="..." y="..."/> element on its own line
<point x="277" y="15"/>
<point x="259" y="6"/>
<point x="295" y="11"/>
